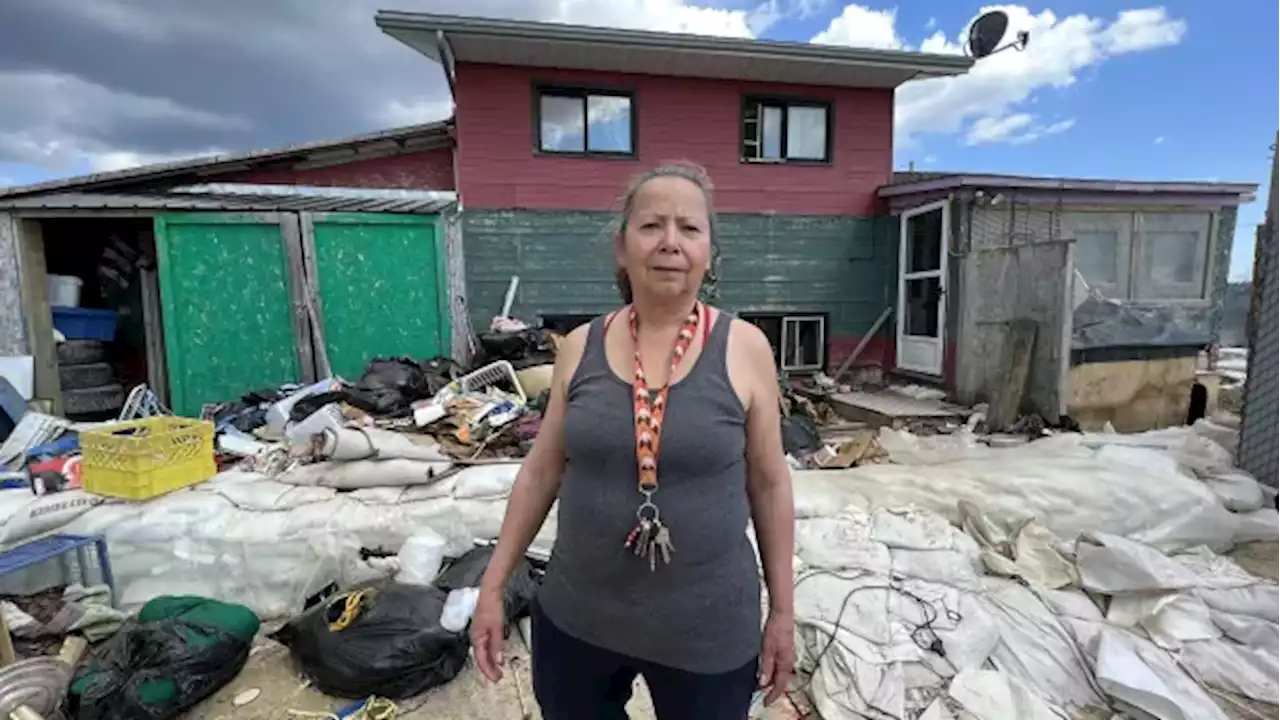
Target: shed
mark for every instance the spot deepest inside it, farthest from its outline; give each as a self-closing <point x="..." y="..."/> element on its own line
<point x="220" y="289"/>
<point x="1121" y="280"/>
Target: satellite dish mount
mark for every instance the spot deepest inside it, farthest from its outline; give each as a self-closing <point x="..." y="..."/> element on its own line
<point x="986" y="33"/>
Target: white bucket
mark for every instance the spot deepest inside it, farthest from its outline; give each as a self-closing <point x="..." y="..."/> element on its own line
<point x="64" y="290"/>
<point x="421" y="557"/>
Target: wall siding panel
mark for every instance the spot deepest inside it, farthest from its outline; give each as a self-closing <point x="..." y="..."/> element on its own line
<point x="768" y="264"/>
<point x="689" y="118"/>
<point x="426" y="170"/>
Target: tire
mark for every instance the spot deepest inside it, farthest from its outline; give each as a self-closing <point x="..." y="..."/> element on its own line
<point x="93" y="400"/>
<point x="81" y="352"/>
<point x="80" y="377"/>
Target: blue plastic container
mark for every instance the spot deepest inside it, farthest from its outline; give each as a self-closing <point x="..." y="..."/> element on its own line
<point x="85" y="324"/>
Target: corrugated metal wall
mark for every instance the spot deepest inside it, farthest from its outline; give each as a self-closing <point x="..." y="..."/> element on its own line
<point x="769" y="263"/>
<point x="1259" y="439"/>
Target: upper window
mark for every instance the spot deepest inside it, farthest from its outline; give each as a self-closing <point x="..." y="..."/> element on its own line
<point x="785" y="130"/>
<point x="585" y="122"/>
<point x="1142" y="256"/>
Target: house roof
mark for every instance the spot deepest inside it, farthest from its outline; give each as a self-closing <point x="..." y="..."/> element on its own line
<point x="912" y="183"/>
<point x="452" y="39"/>
<point x="226" y="198"/>
<point x="326" y="152"/>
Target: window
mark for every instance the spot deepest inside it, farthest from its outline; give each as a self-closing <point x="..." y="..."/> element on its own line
<point x="1142" y="256"/>
<point x="785" y="131"/>
<point x="585" y="122"/>
<point x="799" y="341"/>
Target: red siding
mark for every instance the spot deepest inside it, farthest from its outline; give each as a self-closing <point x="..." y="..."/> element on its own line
<point x="679" y="118"/>
<point x="425" y="170"/>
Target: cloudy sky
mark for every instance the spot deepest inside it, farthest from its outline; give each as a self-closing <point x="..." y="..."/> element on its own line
<point x="1184" y="90"/>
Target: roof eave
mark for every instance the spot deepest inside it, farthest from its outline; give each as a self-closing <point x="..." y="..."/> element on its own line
<point x="1244" y="191"/>
<point x="921" y="65"/>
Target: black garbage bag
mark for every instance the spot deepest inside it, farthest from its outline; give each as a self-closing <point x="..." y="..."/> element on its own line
<point x="177" y="652"/>
<point x="467" y="571"/>
<point x="799" y="436"/>
<point x="440" y="371"/>
<point x="524" y="348"/>
<point x="389" y="385"/>
<point x="393" y="647"/>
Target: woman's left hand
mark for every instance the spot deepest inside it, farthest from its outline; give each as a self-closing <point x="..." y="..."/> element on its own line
<point x="778" y="656"/>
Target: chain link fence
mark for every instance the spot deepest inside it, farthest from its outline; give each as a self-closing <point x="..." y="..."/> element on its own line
<point x="1260" y="415"/>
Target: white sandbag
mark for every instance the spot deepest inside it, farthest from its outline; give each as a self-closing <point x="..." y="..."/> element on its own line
<point x="906" y="448"/>
<point x="1258" y="601"/>
<point x="993" y="695"/>
<point x="482" y="517"/>
<point x="820" y="493"/>
<point x="1170" y="619"/>
<point x="360" y="443"/>
<point x="1237" y="489"/>
<point x="1247" y="671"/>
<point x="1111" y="564"/>
<point x="1036" y="648"/>
<point x="1063" y="484"/>
<point x="1071" y="603"/>
<point x="366" y="473"/>
<point x="1217" y="430"/>
<point x="841" y="543"/>
<point x="1138" y="673"/>
<point x="1251" y="631"/>
<point x="40" y="514"/>
<point x="910" y="528"/>
<point x="268" y="495"/>
<point x="1258" y="525"/>
<point x="489" y="481"/>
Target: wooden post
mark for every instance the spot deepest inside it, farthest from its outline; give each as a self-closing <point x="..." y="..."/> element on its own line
<point x="7" y="654"/>
<point x="1006" y="401"/>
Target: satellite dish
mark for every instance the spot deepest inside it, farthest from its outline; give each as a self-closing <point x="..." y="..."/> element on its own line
<point x="986" y="33"/>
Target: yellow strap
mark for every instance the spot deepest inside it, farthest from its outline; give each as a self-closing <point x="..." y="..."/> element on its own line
<point x="375" y="708"/>
<point x="351" y="609"/>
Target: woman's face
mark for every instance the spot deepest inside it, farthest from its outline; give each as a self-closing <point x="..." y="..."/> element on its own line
<point x="667" y="245"/>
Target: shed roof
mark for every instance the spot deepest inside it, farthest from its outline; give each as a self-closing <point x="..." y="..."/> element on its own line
<point x="450" y="39"/>
<point x="403" y="139"/>
<point x="911" y="183"/>
<point x="75" y="201"/>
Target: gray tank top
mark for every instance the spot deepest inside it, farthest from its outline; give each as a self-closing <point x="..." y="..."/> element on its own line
<point x="701" y="613"/>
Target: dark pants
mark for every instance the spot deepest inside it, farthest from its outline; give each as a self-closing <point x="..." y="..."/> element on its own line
<point x="574" y="680"/>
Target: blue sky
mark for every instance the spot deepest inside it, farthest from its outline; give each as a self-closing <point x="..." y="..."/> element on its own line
<point x="1183" y="90"/>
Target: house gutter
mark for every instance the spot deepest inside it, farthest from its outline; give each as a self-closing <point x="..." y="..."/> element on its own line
<point x="923" y="64"/>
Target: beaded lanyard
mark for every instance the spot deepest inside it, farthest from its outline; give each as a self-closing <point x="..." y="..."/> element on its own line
<point x="651" y="538"/>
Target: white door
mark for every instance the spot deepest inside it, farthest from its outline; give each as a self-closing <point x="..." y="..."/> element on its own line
<point x="922" y="287"/>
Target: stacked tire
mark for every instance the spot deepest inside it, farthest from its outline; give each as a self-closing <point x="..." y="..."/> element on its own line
<point x="90" y="388"/>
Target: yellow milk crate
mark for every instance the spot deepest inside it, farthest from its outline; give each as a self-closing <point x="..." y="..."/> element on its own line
<point x="142" y="459"/>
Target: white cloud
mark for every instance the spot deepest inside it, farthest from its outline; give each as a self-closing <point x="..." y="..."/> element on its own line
<point x="989" y="98"/>
<point x="931" y="23"/>
<point x="120" y="159"/>
<point x="858" y="26"/>
<point x="7" y="181"/>
<point x="663" y="15"/>
<point x="1158" y="141"/>
<point x="1016" y="129"/>
<point x="398" y="112"/>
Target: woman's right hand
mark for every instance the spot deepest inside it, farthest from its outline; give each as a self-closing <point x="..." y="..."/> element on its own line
<point x="486" y="633"/>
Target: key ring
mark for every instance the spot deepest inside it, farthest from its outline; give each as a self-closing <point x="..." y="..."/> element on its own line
<point x="647" y="505"/>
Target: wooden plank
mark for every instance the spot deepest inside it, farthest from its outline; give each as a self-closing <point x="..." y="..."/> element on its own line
<point x="1006" y="401"/>
<point x="862" y="344"/>
<point x="39" y="315"/>
<point x="7" y="654"/>
<point x="293" y="234"/>
<point x="311" y="295"/>
<point x="153" y="335"/>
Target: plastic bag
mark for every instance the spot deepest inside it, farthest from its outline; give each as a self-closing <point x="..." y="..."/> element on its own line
<point x="466" y="572"/>
<point x="178" y="652"/>
<point x="393" y="647"/>
<point x="799" y="436"/>
<point x="390" y="384"/>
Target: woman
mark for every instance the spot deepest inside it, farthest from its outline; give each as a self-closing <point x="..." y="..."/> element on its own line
<point x="652" y="572"/>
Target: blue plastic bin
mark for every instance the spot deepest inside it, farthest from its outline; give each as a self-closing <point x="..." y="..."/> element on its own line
<point x="85" y="324"/>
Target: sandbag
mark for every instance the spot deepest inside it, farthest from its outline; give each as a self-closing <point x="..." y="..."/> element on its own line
<point x="366" y="473"/>
<point x="178" y="652"/>
<point x="393" y="647"/>
<point x="33" y="515"/>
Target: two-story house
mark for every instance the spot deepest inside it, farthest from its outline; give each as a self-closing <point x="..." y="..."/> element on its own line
<point x="553" y="120"/>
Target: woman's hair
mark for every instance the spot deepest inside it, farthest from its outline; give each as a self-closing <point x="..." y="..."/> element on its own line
<point x="685" y="169"/>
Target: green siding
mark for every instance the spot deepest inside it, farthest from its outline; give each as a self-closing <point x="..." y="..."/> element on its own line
<point x="382" y="288"/>
<point x="225" y="297"/>
<point x="842" y="266"/>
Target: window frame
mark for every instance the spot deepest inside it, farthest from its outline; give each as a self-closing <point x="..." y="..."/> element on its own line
<point x="784" y="319"/>
<point x="584" y="92"/>
<point x="784" y="102"/>
<point x="1130" y="250"/>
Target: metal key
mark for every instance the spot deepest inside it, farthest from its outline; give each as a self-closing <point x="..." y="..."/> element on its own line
<point x="662" y="544"/>
<point x="646" y="535"/>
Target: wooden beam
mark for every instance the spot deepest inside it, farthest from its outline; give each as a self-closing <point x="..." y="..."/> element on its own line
<point x="39" y="314"/>
<point x="1006" y="401"/>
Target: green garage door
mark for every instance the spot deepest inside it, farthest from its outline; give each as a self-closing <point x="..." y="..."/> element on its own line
<point x="381" y="283"/>
<point x="225" y="297"/>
